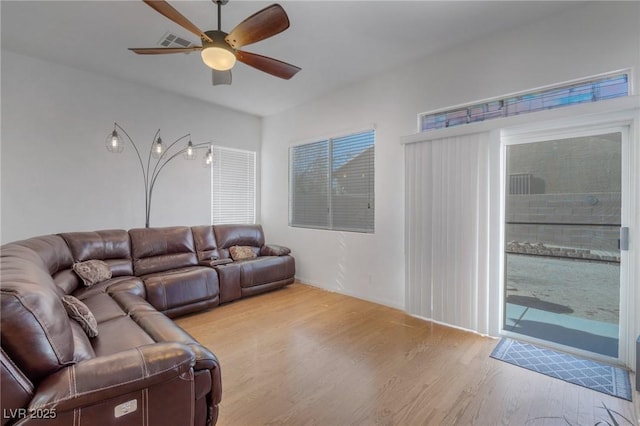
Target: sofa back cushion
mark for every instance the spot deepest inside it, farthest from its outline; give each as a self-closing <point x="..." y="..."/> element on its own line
<point x="51" y="253"/>
<point x="35" y="331"/>
<point x="34" y="327"/>
<point x="238" y="235"/>
<point x="111" y="246"/>
<point x="161" y="249"/>
<point x="205" y="240"/>
<point x="50" y="249"/>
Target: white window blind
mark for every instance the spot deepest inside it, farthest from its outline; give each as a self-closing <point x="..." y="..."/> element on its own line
<point x="233" y="186"/>
<point x="332" y="184"/>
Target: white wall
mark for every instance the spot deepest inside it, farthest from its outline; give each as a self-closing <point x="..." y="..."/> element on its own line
<point x="588" y="40"/>
<point x="56" y="173"/>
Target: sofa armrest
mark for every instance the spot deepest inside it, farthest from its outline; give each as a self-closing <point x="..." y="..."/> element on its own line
<point x="215" y="262"/>
<point x="98" y="379"/>
<point x="274" y="250"/>
<point x="133" y="286"/>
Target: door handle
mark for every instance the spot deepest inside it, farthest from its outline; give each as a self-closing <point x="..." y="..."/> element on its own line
<point x="624" y="238"/>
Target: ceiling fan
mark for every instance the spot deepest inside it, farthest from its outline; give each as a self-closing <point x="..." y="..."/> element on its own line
<point x="220" y="50"/>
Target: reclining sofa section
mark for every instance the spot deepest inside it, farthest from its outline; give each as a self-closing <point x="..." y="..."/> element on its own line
<point x="141" y="368"/>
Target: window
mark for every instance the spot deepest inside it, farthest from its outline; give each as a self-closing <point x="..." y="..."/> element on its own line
<point x="589" y="90"/>
<point x="332" y="184"/>
<point x="233" y="186"/>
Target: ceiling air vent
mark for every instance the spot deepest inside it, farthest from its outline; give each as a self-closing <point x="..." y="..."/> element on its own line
<point x="172" y="40"/>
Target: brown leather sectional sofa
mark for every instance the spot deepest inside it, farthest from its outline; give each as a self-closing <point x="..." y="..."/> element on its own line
<point x="141" y="368"/>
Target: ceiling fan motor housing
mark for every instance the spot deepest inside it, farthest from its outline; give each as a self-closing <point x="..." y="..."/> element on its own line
<point x="218" y="38"/>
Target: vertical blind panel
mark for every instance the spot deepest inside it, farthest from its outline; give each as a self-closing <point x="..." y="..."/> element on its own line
<point x="447" y="230"/>
<point x="418" y="229"/>
<point x="234" y="186"/>
<point x="352" y="184"/>
<point x="308" y="194"/>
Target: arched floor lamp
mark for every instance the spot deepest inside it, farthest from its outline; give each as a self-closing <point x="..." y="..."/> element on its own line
<point x="115" y="144"/>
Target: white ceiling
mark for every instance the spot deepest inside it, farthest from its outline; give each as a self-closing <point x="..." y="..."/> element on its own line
<point x="334" y="42"/>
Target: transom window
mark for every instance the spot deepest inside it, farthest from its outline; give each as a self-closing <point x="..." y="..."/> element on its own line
<point x="588" y="90"/>
<point x="332" y="183"/>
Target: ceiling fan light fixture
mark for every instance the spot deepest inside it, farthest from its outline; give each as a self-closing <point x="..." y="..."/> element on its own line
<point x="217" y="54"/>
<point x="219" y="58"/>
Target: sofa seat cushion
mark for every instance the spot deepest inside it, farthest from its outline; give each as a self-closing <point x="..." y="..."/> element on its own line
<point x="179" y="287"/>
<point x="265" y="269"/>
<point x="119" y="334"/>
<point x="104" y="308"/>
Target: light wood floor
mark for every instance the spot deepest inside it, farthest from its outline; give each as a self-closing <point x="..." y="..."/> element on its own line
<point x="304" y="356"/>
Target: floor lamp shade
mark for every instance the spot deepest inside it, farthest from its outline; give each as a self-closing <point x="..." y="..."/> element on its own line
<point x="113" y="142"/>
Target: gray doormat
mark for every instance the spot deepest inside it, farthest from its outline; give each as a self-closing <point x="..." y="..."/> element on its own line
<point x="594" y="375"/>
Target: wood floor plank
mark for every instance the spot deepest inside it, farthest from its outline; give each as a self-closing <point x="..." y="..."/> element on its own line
<point x="304" y="356"/>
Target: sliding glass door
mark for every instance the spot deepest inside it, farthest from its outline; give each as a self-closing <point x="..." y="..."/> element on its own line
<point x="563" y="216"/>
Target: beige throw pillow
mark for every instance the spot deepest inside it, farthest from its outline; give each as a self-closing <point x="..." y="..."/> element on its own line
<point x="92" y="271"/>
<point x="79" y="312"/>
<point x="241" y="252"/>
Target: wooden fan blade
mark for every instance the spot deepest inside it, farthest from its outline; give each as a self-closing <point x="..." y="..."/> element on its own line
<point x="263" y="24"/>
<point x="163" y="50"/>
<point x="268" y="65"/>
<point x="169" y="12"/>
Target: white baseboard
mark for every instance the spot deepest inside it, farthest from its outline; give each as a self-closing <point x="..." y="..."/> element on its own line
<point x="383" y="302"/>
